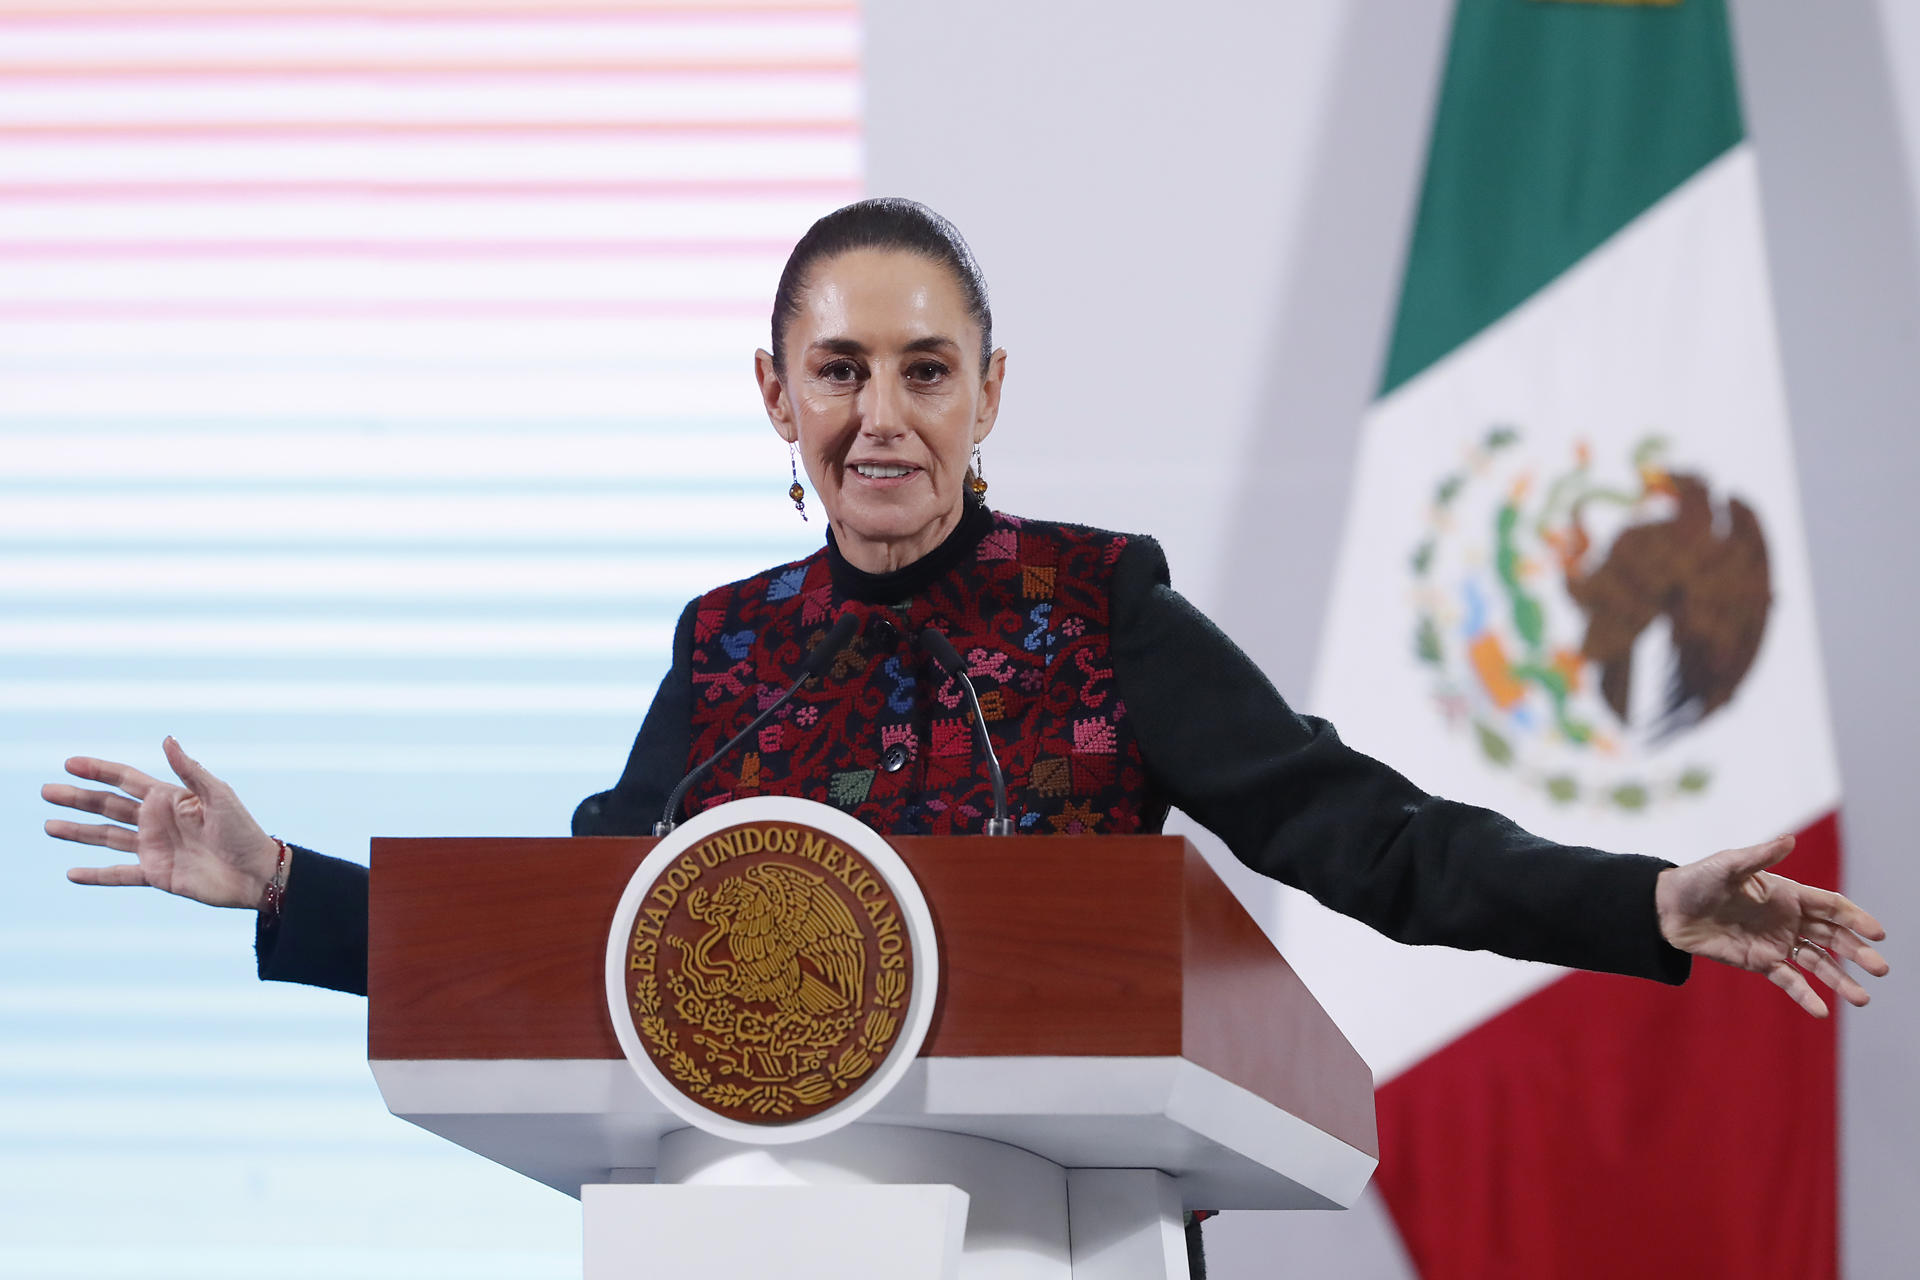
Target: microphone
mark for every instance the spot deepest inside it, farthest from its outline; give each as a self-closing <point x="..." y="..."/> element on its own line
<point x="934" y="641"/>
<point x="815" y="663"/>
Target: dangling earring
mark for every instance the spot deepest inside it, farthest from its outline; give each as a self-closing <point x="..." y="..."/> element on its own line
<point x="979" y="481"/>
<point x="794" y="490"/>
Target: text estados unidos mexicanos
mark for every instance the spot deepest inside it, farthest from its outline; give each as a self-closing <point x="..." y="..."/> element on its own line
<point x="741" y="841"/>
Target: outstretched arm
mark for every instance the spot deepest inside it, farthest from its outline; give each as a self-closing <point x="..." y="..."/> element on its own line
<point x="198" y="841"/>
<point x="1295" y="803"/>
<point x="1730" y="908"/>
<point x="195" y="840"/>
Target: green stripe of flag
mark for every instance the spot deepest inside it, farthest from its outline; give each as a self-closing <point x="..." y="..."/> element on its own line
<point x="1559" y="122"/>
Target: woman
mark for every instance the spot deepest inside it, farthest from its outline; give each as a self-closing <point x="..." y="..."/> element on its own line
<point x="1108" y="698"/>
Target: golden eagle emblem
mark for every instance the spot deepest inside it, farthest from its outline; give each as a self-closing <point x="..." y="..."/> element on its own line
<point x="1704" y="573"/>
<point x="771" y="972"/>
<point x="1578" y="622"/>
<point x="791" y="943"/>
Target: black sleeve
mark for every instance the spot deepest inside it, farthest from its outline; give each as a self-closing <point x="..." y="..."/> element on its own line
<point x="320" y="937"/>
<point x="659" y="756"/>
<point x="1295" y="803"/>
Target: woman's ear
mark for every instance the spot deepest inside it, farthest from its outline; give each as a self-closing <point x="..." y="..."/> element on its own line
<point x="773" y="396"/>
<point x="990" y="395"/>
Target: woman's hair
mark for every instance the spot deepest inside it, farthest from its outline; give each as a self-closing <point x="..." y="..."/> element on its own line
<point x="884" y="222"/>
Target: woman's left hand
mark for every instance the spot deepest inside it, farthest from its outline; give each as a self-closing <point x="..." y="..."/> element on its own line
<point x="1730" y="908"/>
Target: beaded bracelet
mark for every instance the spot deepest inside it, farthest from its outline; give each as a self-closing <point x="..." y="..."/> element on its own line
<point x="276" y="890"/>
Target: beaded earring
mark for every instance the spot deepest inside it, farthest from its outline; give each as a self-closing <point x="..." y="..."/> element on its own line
<point x="794" y="490"/>
<point x="979" y="481"/>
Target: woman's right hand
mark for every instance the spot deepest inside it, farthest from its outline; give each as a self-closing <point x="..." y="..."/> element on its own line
<point x="195" y="840"/>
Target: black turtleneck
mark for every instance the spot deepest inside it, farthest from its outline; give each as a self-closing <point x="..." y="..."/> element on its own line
<point x="851" y="583"/>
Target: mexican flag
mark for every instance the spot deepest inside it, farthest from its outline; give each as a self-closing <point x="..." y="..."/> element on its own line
<point x="1573" y="586"/>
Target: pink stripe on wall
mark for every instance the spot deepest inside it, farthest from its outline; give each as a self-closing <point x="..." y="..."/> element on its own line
<point x="425" y="309"/>
<point x="384" y="70"/>
<point x="573" y="11"/>
<point x="661" y="189"/>
<point x="421" y="249"/>
<point x="66" y="132"/>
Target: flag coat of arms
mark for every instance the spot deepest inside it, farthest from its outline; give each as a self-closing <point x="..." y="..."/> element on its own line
<point x="1573" y="587"/>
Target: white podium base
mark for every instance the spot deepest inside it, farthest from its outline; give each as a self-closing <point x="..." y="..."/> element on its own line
<point x="1126" y="1224"/>
<point x="788" y="1233"/>
<point x="882" y="1201"/>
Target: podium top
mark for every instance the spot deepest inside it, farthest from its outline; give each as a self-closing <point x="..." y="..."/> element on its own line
<point x="1097" y="948"/>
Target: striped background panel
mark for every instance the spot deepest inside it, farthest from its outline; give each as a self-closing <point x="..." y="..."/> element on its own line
<point x="374" y="390"/>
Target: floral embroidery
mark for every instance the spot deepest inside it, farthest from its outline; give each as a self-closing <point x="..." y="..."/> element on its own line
<point x="1095" y="690"/>
<point x="986" y="664"/>
<point x="950" y="693"/>
<point x="951" y="738"/>
<point x="722" y="684"/>
<point x="1047" y="693"/>
<point x="850" y="788"/>
<point x="901" y="699"/>
<point x="816" y="605"/>
<point x="1051" y="777"/>
<point x="848" y="662"/>
<point x="787" y="585"/>
<point x="999" y="544"/>
<point x="1092" y="774"/>
<point x="1039" y="637"/>
<point x="1095" y="736"/>
<point x="1075" y="819"/>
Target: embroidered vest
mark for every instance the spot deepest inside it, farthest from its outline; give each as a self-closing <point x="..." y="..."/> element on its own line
<point x="886" y="734"/>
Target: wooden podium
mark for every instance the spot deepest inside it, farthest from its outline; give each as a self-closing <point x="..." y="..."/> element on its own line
<point x="1114" y="1039"/>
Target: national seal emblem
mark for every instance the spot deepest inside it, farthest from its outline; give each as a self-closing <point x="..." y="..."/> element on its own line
<point x="1579" y="620"/>
<point x="770" y="967"/>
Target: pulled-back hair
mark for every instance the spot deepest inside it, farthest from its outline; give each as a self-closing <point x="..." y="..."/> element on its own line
<point x="883" y="222"/>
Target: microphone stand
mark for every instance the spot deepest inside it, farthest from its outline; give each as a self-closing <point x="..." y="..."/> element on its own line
<point x="948" y="657"/>
<point x="815" y="663"/>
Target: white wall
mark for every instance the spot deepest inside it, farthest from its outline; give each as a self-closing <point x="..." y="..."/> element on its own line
<point x="1193" y="218"/>
<point x="1193" y="228"/>
<point x="1133" y="257"/>
<point x="1833" y="99"/>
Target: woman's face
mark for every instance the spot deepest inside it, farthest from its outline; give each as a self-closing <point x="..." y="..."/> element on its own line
<point x="884" y="396"/>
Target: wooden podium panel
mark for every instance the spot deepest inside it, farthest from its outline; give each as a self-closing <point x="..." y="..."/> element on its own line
<point x="1051" y="947"/>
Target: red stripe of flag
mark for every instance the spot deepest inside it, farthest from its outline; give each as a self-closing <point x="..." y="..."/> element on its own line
<point x="1607" y="1127"/>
